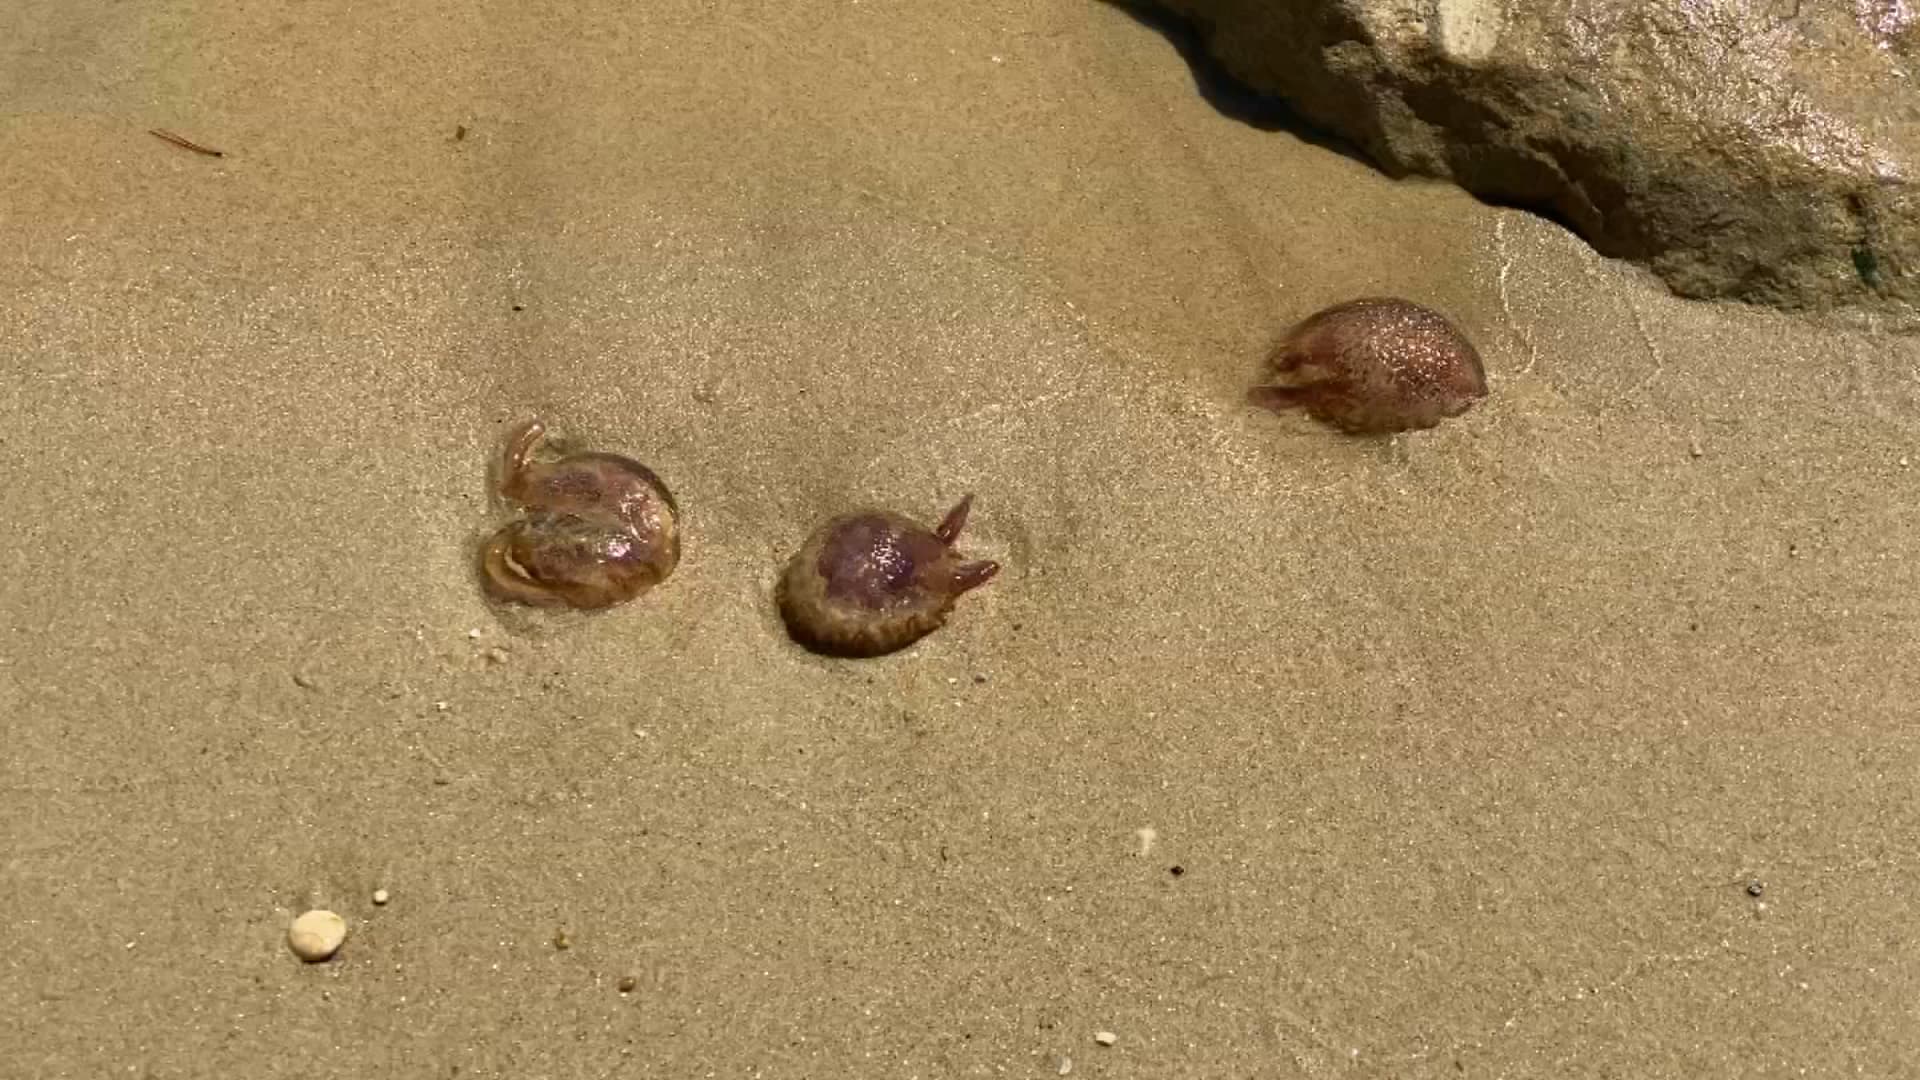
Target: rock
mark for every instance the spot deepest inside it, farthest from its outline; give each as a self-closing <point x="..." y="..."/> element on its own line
<point x="317" y="935"/>
<point x="1759" y="150"/>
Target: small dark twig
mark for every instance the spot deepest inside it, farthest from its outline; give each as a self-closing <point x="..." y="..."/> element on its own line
<point x="185" y="144"/>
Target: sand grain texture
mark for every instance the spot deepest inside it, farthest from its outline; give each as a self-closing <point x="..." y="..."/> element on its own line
<point x="1466" y="748"/>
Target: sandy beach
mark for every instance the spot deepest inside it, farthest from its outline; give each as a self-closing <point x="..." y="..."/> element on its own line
<point x="1575" y="737"/>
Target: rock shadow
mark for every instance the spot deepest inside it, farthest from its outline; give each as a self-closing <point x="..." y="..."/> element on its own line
<point x="1228" y="95"/>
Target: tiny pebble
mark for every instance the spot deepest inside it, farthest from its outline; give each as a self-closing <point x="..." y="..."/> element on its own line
<point x="380" y="896"/>
<point x="1756" y="888"/>
<point x="1066" y="1065"/>
<point x="561" y="940"/>
<point x="496" y="655"/>
<point x="1694" y="448"/>
<point x="317" y="935"/>
<point x="474" y="633"/>
<point x="627" y="983"/>
<point x="305" y="681"/>
<point x="1105" y="1038"/>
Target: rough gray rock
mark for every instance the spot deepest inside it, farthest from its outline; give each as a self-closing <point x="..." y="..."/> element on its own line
<point x="1760" y="150"/>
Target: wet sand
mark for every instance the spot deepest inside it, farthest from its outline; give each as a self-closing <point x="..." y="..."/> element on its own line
<point x="1270" y="751"/>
